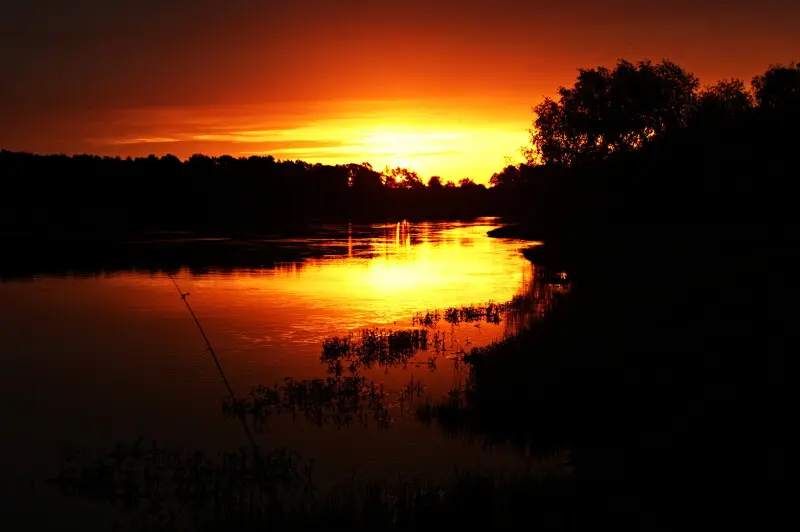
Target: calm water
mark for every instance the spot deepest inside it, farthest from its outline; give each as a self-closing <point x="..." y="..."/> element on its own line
<point x="106" y="358"/>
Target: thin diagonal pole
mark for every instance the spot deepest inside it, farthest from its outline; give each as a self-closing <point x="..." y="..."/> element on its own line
<point x="216" y="360"/>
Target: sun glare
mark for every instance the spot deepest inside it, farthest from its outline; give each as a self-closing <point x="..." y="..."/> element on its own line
<point x="453" y="153"/>
<point x="431" y="138"/>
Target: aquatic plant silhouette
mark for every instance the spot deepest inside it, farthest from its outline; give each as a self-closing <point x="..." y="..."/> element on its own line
<point x="168" y="488"/>
<point x="340" y="401"/>
<point x="490" y="313"/>
<point x="534" y="301"/>
<point x="381" y="347"/>
<point x="171" y="490"/>
<point x="165" y="490"/>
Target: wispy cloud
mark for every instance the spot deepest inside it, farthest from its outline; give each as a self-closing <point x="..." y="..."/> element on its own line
<point x="422" y="153"/>
<point x="432" y="139"/>
<point x="266" y="135"/>
<point x="142" y="140"/>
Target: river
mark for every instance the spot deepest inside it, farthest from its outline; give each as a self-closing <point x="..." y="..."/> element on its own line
<point x="105" y="356"/>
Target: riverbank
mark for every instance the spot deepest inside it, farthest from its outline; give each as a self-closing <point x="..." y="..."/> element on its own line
<point x="543" y="252"/>
<point x="655" y="372"/>
<point x="517" y="231"/>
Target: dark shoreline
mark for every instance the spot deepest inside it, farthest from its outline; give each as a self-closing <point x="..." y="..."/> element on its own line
<point x="517" y="231"/>
<point x="543" y="252"/>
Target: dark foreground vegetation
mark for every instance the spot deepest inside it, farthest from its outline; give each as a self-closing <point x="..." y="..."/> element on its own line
<point x="249" y="490"/>
<point x="672" y="208"/>
<point x="256" y="488"/>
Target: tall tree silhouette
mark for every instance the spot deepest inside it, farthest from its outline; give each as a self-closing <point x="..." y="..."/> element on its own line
<point x="779" y="87"/>
<point x="435" y="182"/>
<point x="403" y="178"/>
<point x="611" y="110"/>
<point x="727" y="98"/>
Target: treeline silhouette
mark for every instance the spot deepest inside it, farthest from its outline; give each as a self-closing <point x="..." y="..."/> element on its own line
<point x="673" y="208"/>
<point x="59" y="194"/>
<point x="645" y="143"/>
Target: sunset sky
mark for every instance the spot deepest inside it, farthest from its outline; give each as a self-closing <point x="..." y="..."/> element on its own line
<point x="441" y="87"/>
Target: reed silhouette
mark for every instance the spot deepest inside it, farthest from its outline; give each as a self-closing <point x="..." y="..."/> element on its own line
<point x="161" y="489"/>
<point x="165" y="489"/>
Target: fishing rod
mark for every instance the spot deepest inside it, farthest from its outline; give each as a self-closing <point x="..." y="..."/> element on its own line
<point x="241" y="417"/>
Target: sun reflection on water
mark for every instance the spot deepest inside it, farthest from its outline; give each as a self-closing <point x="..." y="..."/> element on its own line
<point x="404" y="269"/>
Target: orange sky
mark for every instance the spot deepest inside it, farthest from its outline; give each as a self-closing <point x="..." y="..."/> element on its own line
<point x="444" y="89"/>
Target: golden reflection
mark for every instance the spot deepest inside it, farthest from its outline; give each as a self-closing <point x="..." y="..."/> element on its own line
<point x="368" y="276"/>
<point x="392" y="276"/>
<point x="389" y="278"/>
<point x="349" y="240"/>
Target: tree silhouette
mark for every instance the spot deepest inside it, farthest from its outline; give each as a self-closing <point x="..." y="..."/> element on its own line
<point x="467" y="182"/>
<point x="435" y="182"/>
<point x="225" y="194"/>
<point x="727" y="98"/>
<point x="607" y="111"/>
<point x="403" y="178"/>
<point x="363" y="178"/>
<point x="509" y="176"/>
<point x="778" y="88"/>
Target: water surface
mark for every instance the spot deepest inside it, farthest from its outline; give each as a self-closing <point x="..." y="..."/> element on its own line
<point x="108" y="356"/>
